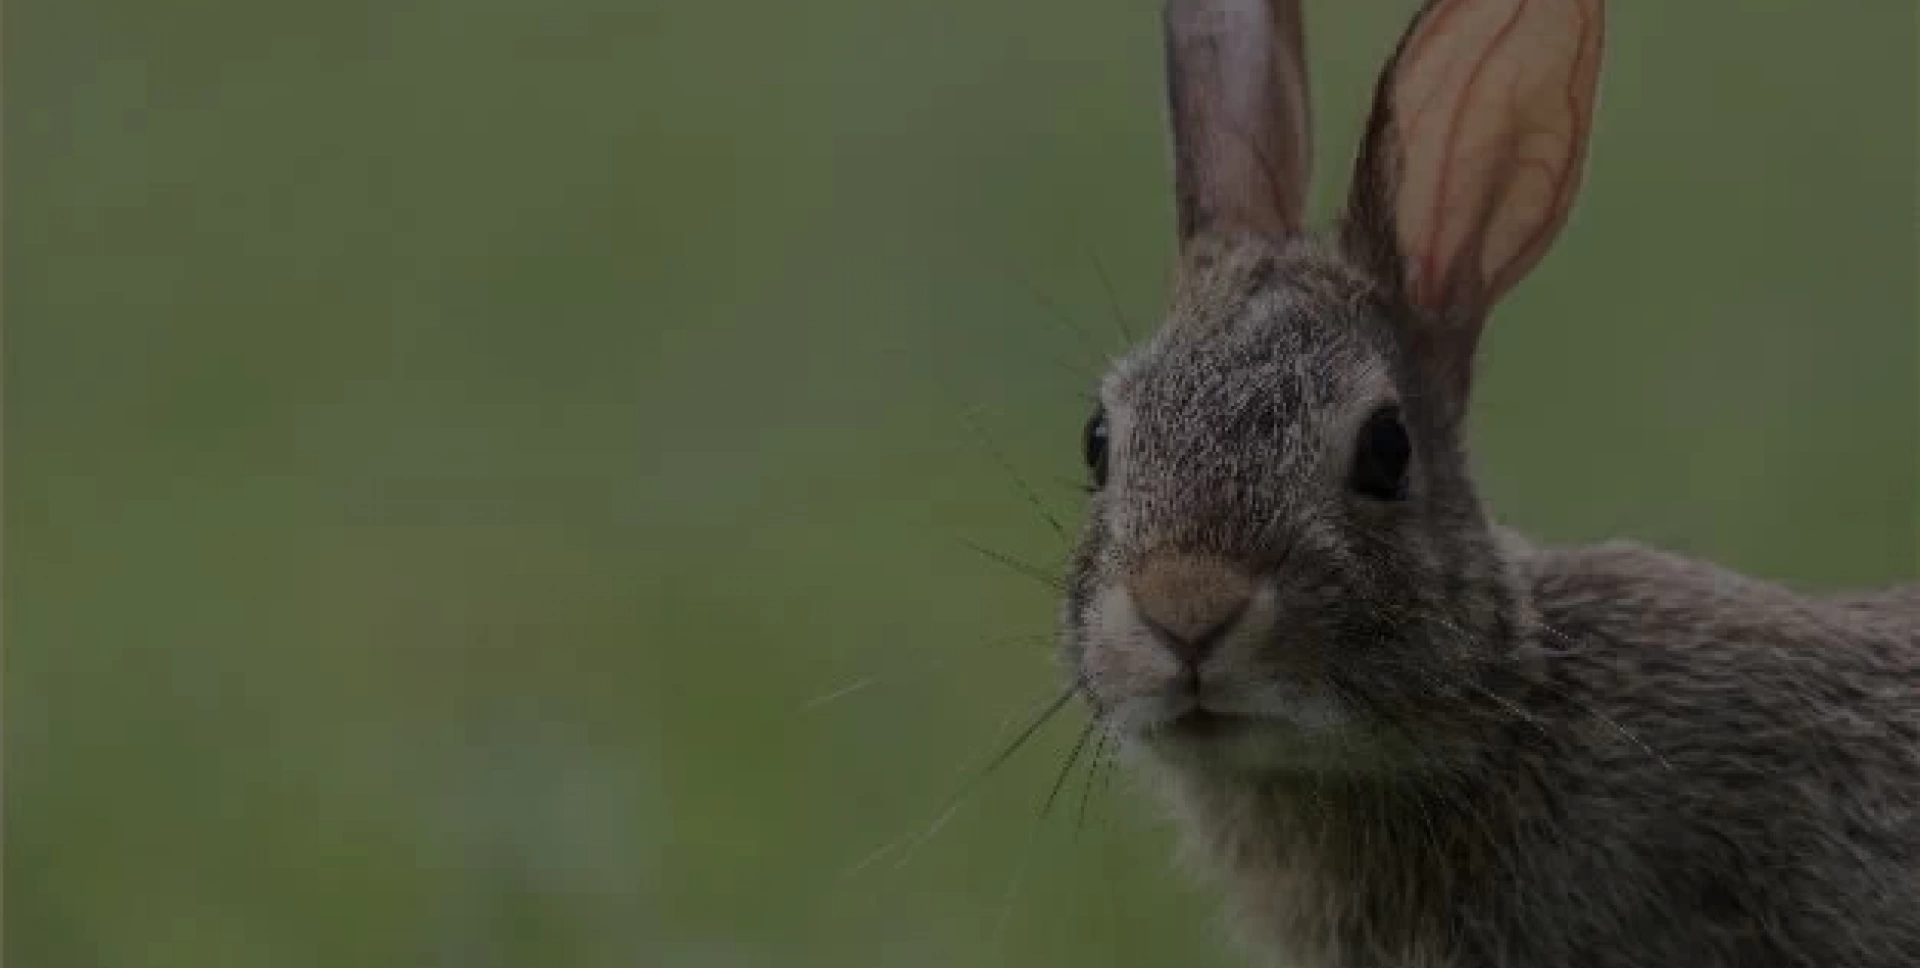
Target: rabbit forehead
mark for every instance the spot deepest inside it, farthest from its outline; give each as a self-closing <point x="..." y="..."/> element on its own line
<point x="1227" y="425"/>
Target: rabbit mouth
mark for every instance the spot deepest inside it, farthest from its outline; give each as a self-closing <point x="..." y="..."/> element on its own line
<point x="1200" y="725"/>
<point x="1200" y="728"/>
<point x="1199" y="732"/>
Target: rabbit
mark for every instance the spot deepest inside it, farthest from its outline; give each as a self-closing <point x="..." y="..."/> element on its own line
<point x="1392" y="731"/>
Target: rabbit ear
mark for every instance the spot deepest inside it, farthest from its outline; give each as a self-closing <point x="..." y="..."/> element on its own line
<point x="1237" y="92"/>
<point x="1474" y="152"/>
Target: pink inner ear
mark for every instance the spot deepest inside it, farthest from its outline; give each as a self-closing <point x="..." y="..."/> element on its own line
<point x="1492" y="105"/>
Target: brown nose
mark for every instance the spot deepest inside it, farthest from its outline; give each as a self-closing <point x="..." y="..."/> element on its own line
<point x="1189" y="601"/>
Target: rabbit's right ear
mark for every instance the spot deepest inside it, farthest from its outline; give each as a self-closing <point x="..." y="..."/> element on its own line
<point x="1237" y="93"/>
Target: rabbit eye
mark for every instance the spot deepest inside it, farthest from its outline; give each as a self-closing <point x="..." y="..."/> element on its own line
<point x="1381" y="456"/>
<point x="1093" y="447"/>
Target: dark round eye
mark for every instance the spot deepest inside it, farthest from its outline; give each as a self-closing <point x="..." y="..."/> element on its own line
<point x="1381" y="456"/>
<point x="1093" y="447"/>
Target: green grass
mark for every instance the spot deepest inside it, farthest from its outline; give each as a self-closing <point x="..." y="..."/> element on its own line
<point x="448" y="444"/>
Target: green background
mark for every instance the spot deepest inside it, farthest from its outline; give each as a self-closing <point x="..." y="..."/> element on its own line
<point x="449" y="445"/>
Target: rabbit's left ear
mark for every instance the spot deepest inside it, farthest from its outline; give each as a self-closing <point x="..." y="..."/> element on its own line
<point x="1474" y="152"/>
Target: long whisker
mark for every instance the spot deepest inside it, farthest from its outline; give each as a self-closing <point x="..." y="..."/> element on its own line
<point x="1013" y="890"/>
<point x="861" y="684"/>
<point x="1574" y="646"/>
<point x="876" y="856"/>
<point x="912" y="839"/>
<point x="1113" y="766"/>
<point x="1032" y="571"/>
<point x="1388" y="562"/>
<point x="1093" y="772"/>
<point x="1588" y="709"/>
<point x="1441" y="792"/>
<point x="972" y="784"/>
<point x="1051" y="308"/>
<point x="1033" y="836"/>
<point x="1601" y="715"/>
<point x="838" y="694"/>
<point x="1113" y="300"/>
<point x="1066" y="769"/>
<point x="1075" y="484"/>
<point x="1020" y="482"/>
<point x="1509" y="705"/>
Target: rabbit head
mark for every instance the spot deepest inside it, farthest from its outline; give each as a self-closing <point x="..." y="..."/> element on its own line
<point x="1284" y="540"/>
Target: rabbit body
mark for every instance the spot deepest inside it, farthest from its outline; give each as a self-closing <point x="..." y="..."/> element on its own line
<point x="1691" y="768"/>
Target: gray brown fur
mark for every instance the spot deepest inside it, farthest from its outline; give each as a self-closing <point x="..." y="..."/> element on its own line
<point x="1604" y="756"/>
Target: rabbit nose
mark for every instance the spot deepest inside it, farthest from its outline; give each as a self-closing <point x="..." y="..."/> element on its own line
<point x="1189" y="602"/>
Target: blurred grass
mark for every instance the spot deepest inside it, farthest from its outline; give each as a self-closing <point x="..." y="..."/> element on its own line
<point x="448" y="444"/>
